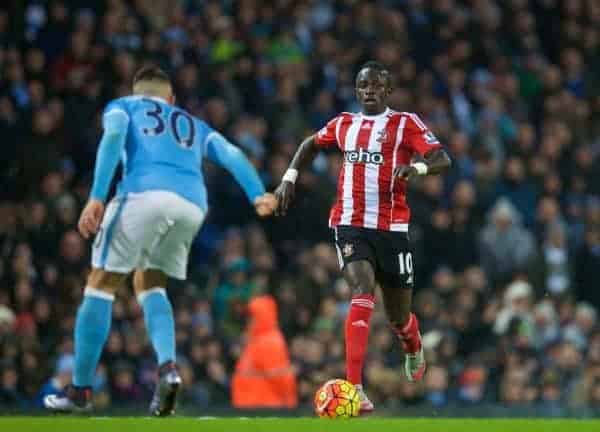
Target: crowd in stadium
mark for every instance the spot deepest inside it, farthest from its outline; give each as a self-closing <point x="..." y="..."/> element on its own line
<point x="508" y="243"/>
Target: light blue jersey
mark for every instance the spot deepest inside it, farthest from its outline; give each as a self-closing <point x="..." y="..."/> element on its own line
<point x="161" y="148"/>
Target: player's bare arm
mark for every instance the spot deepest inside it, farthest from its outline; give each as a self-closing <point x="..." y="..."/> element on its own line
<point x="90" y="218"/>
<point x="115" y="124"/>
<point x="284" y="193"/>
<point x="435" y="162"/>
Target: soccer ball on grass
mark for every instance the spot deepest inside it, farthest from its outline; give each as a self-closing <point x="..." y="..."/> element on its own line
<point x="337" y="398"/>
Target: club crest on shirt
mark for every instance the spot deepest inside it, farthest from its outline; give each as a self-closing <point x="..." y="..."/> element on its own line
<point x="383" y="136"/>
<point x="348" y="250"/>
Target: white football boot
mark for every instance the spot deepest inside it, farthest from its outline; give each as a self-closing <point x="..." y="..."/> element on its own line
<point x="366" y="406"/>
<point x="415" y="365"/>
<point x="73" y="401"/>
<point x="164" y="399"/>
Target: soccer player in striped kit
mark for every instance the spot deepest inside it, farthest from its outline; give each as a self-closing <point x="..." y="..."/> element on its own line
<point x="370" y="216"/>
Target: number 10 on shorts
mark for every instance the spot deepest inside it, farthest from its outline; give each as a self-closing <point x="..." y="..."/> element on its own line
<point x="405" y="263"/>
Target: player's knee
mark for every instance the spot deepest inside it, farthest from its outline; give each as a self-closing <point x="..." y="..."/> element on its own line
<point x="105" y="281"/>
<point x="398" y="316"/>
<point x="399" y="320"/>
<point x="361" y="284"/>
<point x="362" y="289"/>
<point x="144" y="280"/>
<point x="360" y="278"/>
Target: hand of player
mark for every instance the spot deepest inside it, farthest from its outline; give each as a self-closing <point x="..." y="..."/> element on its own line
<point x="405" y="172"/>
<point x="285" y="194"/>
<point x="265" y="204"/>
<point x="90" y="218"/>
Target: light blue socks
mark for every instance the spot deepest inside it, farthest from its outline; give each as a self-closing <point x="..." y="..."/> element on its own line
<point x="91" y="331"/>
<point x="92" y="327"/>
<point x="158" y="315"/>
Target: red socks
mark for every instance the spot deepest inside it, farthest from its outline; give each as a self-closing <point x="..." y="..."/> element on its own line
<point x="409" y="335"/>
<point x="357" y="335"/>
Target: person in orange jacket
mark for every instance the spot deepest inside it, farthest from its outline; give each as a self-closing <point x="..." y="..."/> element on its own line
<point x="264" y="377"/>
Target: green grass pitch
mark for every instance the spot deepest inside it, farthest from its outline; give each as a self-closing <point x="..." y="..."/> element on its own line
<point x="207" y="424"/>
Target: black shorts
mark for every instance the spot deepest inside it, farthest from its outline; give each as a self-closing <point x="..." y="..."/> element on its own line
<point x="389" y="252"/>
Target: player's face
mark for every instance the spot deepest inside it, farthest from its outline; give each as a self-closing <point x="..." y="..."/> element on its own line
<point x="372" y="90"/>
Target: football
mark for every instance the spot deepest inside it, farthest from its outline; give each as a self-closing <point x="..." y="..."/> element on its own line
<point x="337" y="398"/>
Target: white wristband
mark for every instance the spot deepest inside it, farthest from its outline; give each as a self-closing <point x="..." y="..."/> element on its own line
<point x="421" y="168"/>
<point x="290" y="175"/>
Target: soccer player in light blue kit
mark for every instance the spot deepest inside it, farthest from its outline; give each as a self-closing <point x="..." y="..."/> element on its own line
<point x="149" y="226"/>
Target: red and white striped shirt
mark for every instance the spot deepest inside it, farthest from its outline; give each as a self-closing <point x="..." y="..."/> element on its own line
<point x="367" y="194"/>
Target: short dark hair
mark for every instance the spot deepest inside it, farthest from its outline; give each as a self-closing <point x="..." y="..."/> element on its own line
<point x="372" y="64"/>
<point x="379" y="67"/>
<point x="151" y="73"/>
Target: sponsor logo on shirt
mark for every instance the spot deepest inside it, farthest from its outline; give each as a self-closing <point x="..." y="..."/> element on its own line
<point x="363" y="156"/>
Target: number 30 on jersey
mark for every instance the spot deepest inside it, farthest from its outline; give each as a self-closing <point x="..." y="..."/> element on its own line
<point x="159" y="127"/>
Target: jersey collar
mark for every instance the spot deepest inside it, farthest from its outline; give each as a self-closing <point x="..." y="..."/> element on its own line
<point x="374" y="117"/>
<point x="157" y="99"/>
<point x="154" y="98"/>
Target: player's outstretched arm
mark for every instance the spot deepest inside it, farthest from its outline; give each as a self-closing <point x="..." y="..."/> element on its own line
<point x="438" y="161"/>
<point x="305" y="154"/>
<point x="225" y="154"/>
<point x="424" y="143"/>
<point x="435" y="162"/>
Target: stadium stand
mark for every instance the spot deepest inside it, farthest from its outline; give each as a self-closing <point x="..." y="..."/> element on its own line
<point x="508" y="243"/>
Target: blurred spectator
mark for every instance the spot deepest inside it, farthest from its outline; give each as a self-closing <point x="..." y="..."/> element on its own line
<point x="506" y="246"/>
<point x="436" y="386"/>
<point x="517" y="188"/>
<point x="10" y="396"/>
<point x="231" y="296"/>
<point x="588" y="260"/>
<point x="517" y="305"/>
<point x="551" y="394"/>
<point x="124" y="388"/>
<point x="263" y="375"/>
<point x="472" y="382"/>
<point x="7" y="321"/>
<point x="547" y="326"/>
<point x="580" y="329"/>
<point x="554" y="262"/>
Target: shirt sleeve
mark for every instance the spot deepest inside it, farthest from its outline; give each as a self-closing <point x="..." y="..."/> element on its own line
<point x="420" y="139"/>
<point x="327" y="136"/>
<point x="115" y="122"/>
<point x="225" y="154"/>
